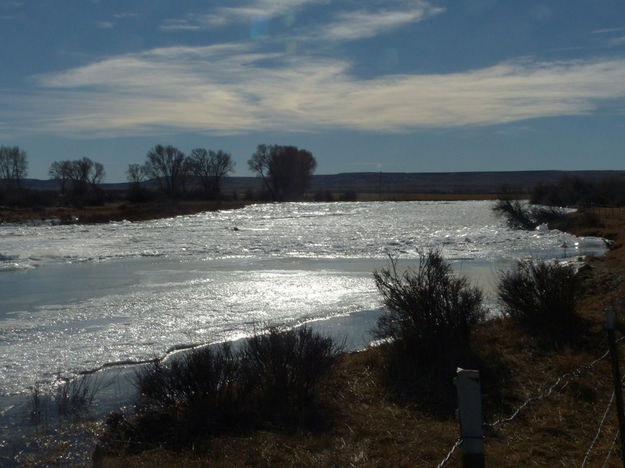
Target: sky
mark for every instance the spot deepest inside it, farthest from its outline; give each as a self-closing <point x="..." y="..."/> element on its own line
<point x="365" y="85"/>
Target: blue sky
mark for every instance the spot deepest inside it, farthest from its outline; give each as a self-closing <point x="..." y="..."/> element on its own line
<point x="395" y="85"/>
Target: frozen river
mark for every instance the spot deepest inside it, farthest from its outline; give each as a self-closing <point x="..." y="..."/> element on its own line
<point x="77" y="297"/>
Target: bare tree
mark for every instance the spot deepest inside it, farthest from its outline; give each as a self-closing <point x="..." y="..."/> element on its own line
<point x="168" y="165"/>
<point x="13" y="165"/>
<point x="285" y="170"/>
<point x="136" y="173"/>
<point x="61" y="171"/>
<point x="97" y="174"/>
<point x="210" y="167"/>
<point x="83" y="174"/>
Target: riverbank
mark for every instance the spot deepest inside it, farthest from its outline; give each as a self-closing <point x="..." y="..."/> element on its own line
<point x="123" y="210"/>
<point x="372" y="427"/>
<point x="115" y="211"/>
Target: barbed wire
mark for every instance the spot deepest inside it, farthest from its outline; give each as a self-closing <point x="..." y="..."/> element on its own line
<point x="569" y="375"/>
<point x="601" y="423"/>
<point x="607" y="457"/>
<point x="451" y="452"/>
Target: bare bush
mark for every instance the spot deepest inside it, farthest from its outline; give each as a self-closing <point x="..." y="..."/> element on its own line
<point x="270" y="381"/>
<point x="542" y="297"/>
<point x="281" y="370"/>
<point x="431" y="314"/>
<point x="524" y="216"/>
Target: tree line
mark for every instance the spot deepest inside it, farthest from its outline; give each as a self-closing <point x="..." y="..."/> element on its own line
<point x="285" y="172"/>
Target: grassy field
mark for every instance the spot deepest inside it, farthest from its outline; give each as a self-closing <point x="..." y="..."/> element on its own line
<point x="371" y="426"/>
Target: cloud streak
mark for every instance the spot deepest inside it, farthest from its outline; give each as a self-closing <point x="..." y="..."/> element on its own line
<point x="364" y="23"/>
<point x="252" y="11"/>
<point x="230" y="89"/>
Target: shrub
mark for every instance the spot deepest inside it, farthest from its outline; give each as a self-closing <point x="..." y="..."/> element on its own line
<point x="431" y="314"/>
<point x="202" y="383"/>
<point x="271" y="380"/>
<point x="523" y="216"/>
<point x="541" y="297"/>
<point x="281" y="370"/>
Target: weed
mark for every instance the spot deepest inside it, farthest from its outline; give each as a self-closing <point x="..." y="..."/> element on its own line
<point x="75" y="397"/>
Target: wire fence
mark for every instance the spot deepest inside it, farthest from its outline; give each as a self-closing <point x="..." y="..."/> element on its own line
<point x="559" y="383"/>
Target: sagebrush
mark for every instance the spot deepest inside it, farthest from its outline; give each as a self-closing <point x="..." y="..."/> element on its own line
<point x="542" y="296"/>
<point x="431" y="314"/>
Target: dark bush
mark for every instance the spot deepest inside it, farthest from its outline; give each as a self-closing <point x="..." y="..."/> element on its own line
<point x="571" y="190"/>
<point x="202" y="383"/>
<point x="281" y="370"/>
<point x="323" y="196"/>
<point x="270" y="382"/>
<point x="541" y="297"/>
<point x="349" y="195"/>
<point x="524" y="216"/>
<point x="431" y="314"/>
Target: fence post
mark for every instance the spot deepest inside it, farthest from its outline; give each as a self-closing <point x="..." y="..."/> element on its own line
<point x="616" y="374"/>
<point x="470" y="413"/>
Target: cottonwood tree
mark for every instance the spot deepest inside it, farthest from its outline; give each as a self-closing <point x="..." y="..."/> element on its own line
<point x="169" y="166"/>
<point x="82" y="175"/>
<point x="86" y="173"/>
<point x="13" y="166"/>
<point x="136" y="173"/>
<point x="285" y="170"/>
<point x="61" y="171"/>
<point x="210" y="167"/>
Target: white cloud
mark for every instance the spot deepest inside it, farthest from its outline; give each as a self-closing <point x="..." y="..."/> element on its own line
<point x="251" y="11"/>
<point x="363" y="23"/>
<point x="608" y="30"/>
<point x="179" y="25"/>
<point x="106" y="25"/>
<point x="231" y="89"/>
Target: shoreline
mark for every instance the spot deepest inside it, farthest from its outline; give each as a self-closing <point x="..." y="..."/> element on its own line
<point x="123" y="210"/>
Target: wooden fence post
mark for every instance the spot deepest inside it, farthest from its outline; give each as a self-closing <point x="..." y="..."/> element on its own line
<point x="616" y="374"/>
<point x="470" y="413"/>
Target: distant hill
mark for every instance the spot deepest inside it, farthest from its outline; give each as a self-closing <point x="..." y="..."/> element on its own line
<point x="451" y="182"/>
<point x="402" y="182"/>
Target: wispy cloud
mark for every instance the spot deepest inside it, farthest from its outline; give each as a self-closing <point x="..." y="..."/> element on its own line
<point x="248" y="12"/>
<point x="182" y="25"/>
<point x="231" y="89"/>
<point x="127" y="14"/>
<point x="106" y="24"/>
<point x="364" y="23"/>
<point x="608" y="30"/>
